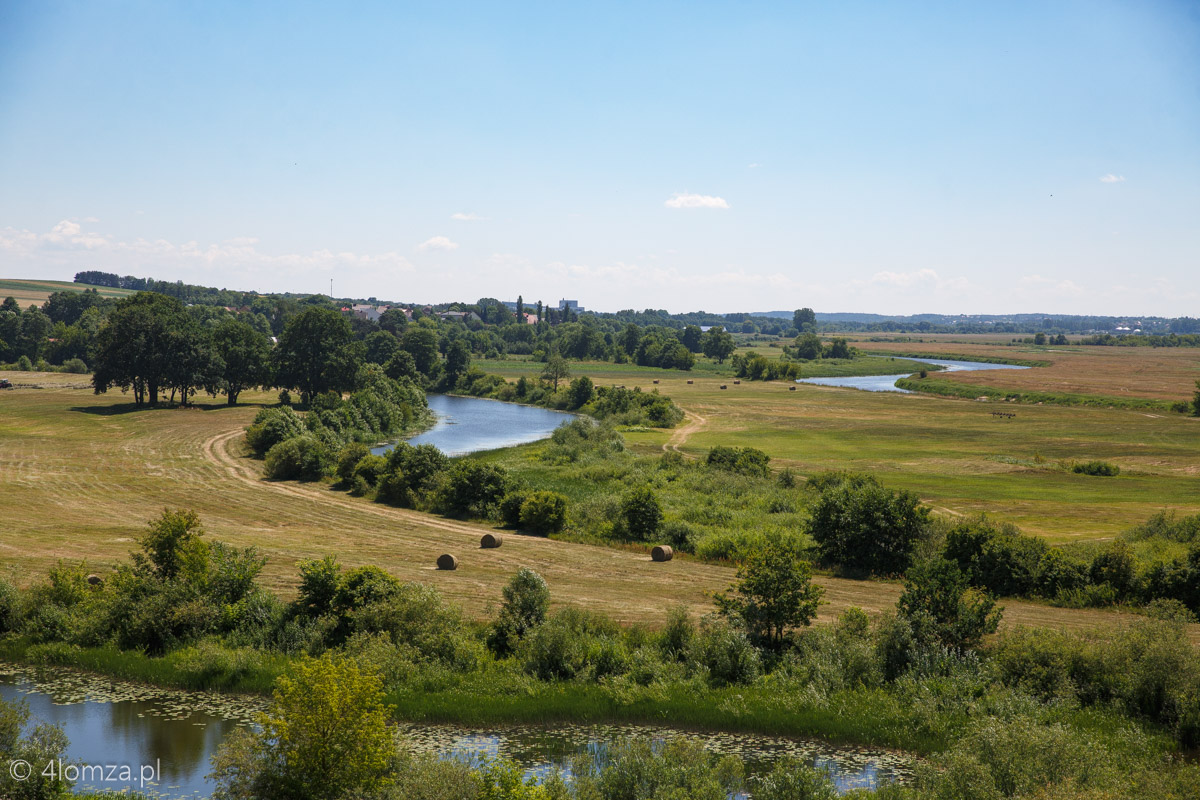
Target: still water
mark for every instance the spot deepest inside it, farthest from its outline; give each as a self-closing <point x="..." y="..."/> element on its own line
<point x="471" y="424"/>
<point x="887" y="383"/>
<point x="109" y="722"/>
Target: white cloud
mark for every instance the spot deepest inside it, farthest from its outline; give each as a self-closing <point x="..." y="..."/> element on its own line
<point x="755" y="165"/>
<point x="467" y="217"/>
<point x="686" y="200"/>
<point x="1052" y="287"/>
<point x="1110" y="178"/>
<point x="437" y="243"/>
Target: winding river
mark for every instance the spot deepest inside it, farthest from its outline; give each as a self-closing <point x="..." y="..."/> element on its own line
<point x="174" y="734"/>
<point x="471" y="424"/>
<point x="887" y="383"/>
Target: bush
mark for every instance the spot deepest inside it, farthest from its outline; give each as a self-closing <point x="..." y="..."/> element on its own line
<point x="1115" y="566"/>
<point x="791" y="779"/>
<point x="272" y="426"/>
<point x="526" y="603"/>
<point x="510" y="508"/>
<point x="742" y="460"/>
<point x="571" y="644"/>
<point x="369" y="470"/>
<point x="75" y="365"/>
<point x="543" y="513"/>
<point x="861" y="525"/>
<point x="1102" y="468"/>
<point x="774" y="594"/>
<point x="641" y="514"/>
<point x="24" y="364"/>
<point x="996" y="558"/>
<point x="473" y="487"/>
<point x="348" y="459"/>
<point x="941" y="606"/>
<point x="725" y="654"/>
<point x="301" y="457"/>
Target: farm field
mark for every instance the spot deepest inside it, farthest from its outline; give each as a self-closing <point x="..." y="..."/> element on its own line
<point x="955" y="454"/>
<point x="80" y="475"/>
<point x="37" y="292"/>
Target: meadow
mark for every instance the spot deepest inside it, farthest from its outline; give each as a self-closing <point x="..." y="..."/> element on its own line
<point x="29" y="293"/>
<point x="80" y="474"/>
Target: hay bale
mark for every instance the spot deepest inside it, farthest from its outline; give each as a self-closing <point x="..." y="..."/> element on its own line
<point x="690" y="383"/>
<point x="722" y="386"/>
<point x="447" y="561"/>
<point x="791" y="388"/>
<point x="656" y="380"/>
<point x="491" y="540"/>
<point x="95" y="580"/>
<point x="662" y="552"/>
<point x="735" y="383"/>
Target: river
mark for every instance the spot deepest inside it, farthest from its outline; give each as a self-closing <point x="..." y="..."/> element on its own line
<point x="471" y="424"/>
<point x="887" y="383"/>
<point x="175" y="734"/>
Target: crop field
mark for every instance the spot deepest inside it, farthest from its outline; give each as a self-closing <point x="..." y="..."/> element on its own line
<point x="80" y="474"/>
<point x="29" y="293"/>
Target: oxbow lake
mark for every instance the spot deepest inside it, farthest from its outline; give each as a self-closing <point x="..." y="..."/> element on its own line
<point x="887" y="383"/>
<point x="110" y="722"/>
<point x="471" y="424"/>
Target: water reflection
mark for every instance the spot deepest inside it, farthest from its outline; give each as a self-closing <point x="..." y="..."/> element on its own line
<point x="471" y="424"/>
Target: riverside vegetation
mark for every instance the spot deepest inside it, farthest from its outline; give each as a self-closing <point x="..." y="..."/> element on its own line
<point x="1017" y="714"/>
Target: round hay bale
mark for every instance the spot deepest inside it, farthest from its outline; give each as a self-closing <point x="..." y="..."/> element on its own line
<point x="447" y="561"/>
<point x="735" y="383"/>
<point x="662" y="552"/>
<point x="656" y="380"/>
<point x="491" y="540"/>
<point x="722" y="386"/>
<point x="690" y="383"/>
<point x="95" y="580"/>
<point x="791" y="388"/>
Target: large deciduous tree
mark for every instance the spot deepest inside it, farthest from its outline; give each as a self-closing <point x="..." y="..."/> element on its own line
<point x="718" y="344"/>
<point x="139" y="347"/>
<point x="317" y="353"/>
<point x="244" y="355"/>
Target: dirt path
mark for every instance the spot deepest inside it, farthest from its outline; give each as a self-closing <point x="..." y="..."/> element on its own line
<point x="681" y="433"/>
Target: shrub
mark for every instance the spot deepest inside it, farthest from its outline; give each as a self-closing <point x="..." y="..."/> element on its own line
<point x="75" y="365"/>
<point x="725" y="654"/>
<point x="1101" y="468"/>
<point x="526" y="603"/>
<point x="473" y="487"/>
<point x="861" y="525"/>
<point x="301" y="457"/>
<point x="569" y="644"/>
<point x="24" y="364"/>
<point x="774" y="594"/>
<point x="642" y="768"/>
<point x="641" y="514"/>
<point x="680" y="535"/>
<point x="743" y="460"/>
<point x="997" y="558"/>
<point x="369" y="470"/>
<point x="791" y="779"/>
<point x="676" y="638"/>
<point x="510" y="508"/>
<point x="543" y="513"/>
<point x="272" y="426"/>
<point x="941" y="606"/>
<point x="1115" y="566"/>
<point x="348" y="458"/>
<point x="415" y="617"/>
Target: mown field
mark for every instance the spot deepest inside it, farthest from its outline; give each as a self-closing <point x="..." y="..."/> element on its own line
<point x="80" y="475"/>
<point x="37" y="292"/>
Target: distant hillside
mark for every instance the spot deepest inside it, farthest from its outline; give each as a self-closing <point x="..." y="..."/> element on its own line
<point x="29" y="293"/>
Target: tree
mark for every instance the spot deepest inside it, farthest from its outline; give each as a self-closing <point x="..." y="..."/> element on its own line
<point x="173" y="546"/>
<point x="941" y="606"/>
<point x="245" y="357"/>
<point x="421" y="343"/>
<point x="641" y="513"/>
<point x="382" y="347"/>
<point x="808" y="346"/>
<point x="1196" y="401"/>
<point x="458" y="359"/>
<point x="774" y="594"/>
<point x="691" y="337"/>
<point x="804" y="319"/>
<point x="556" y="369"/>
<point x="526" y="603"/>
<point x="520" y="310"/>
<point x="317" y="353"/>
<point x="324" y="737"/>
<point x="137" y="347"/>
<point x="581" y="392"/>
<point x="839" y="348"/>
<point x="543" y="513"/>
<point x="718" y="344"/>
<point x="1039" y="338"/>
<point x="859" y="524"/>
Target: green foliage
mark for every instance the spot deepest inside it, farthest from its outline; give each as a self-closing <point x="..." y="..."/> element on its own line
<point x="324" y="736"/>
<point x="639" y="768"/>
<point x="717" y="344"/>
<point x="641" y="514"/>
<point x="36" y="746"/>
<point x="1115" y="565"/>
<point x="941" y="606"/>
<point x="774" y="594"/>
<point x="173" y="546"/>
<point x="526" y="603"/>
<point x="860" y="525"/>
<point x="725" y="654"/>
<point x="581" y="392"/>
<point x="791" y="779"/>
<point x="473" y="487"/>
<point x="543" y="513"/>
<point x="272" y="426"/>
<point x="573" y="644"/>
<point x="301" y="457"/>
<point x="1102" y="468"/>
<point x="348" y="458"/>
<point x="317" y="353"/>
<point x="743" y="460"/>
<point x="999" y="558"/>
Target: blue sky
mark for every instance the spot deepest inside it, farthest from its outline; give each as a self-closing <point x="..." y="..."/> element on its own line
<point x="884" y="157"/>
